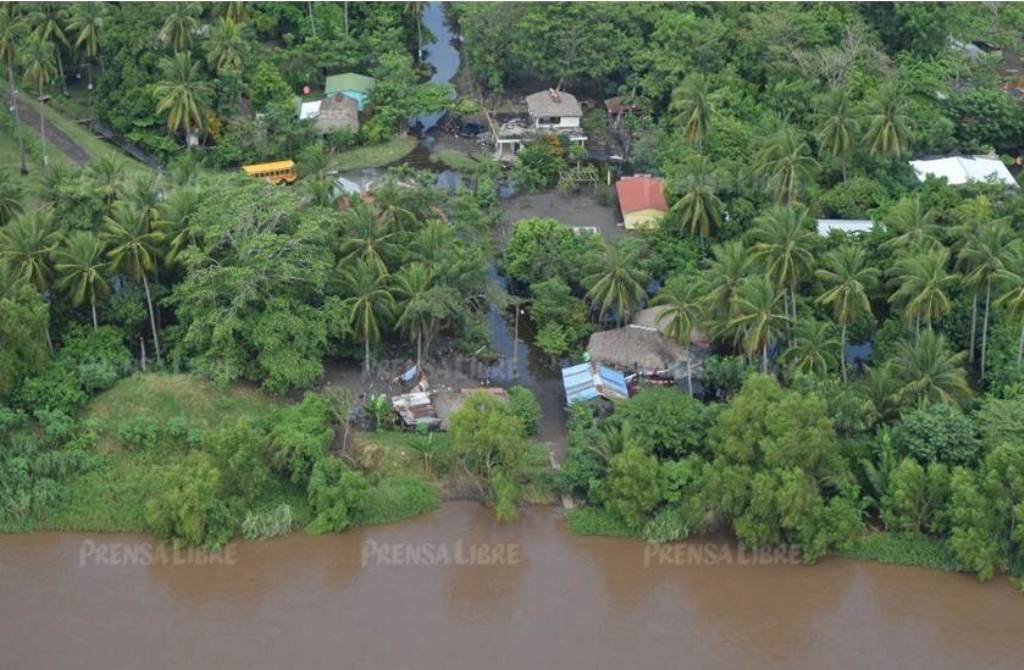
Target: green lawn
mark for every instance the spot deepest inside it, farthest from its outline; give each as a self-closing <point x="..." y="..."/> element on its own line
<point x="11" y="164"/>
<point x="377" y="155"/>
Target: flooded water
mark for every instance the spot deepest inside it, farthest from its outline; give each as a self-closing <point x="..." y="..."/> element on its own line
<point x="441" y="54"/>
<point x="376" y="599"/>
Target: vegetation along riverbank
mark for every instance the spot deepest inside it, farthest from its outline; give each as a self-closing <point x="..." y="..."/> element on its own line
<point x="748" y="267"/>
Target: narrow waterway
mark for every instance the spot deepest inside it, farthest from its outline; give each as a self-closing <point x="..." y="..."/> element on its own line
<point x="367" y="600"/>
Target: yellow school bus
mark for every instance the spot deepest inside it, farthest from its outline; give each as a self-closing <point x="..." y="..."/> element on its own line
<point x="278" y="172"/>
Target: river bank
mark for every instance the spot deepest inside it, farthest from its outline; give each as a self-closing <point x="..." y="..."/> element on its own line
<point x="367" y="596"/>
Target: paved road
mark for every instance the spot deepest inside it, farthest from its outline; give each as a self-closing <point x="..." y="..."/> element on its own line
<point x="55" y="137"/>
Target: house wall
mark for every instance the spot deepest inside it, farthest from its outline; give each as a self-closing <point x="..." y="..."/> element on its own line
<point x="642" y="218"/>
<point x="561" y="122"/>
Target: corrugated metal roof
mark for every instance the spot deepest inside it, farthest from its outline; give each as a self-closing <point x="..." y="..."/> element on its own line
<point x="826" y="226"/>
<point x="963" y="169"/>
<point x="587" y="381"/>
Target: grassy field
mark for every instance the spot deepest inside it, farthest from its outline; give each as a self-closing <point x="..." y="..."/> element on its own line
<point x="11" y="164"/>
<point x="111" y="497"/>
<point x="377" y="155"/>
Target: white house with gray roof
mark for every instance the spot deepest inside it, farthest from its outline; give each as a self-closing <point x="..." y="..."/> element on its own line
<point x="554" y="109"/>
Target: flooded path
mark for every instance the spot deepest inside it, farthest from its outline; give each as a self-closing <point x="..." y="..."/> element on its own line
<point x="566" y="602"/>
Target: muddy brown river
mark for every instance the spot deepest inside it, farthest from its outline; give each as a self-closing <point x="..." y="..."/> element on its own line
<point x="457" y="590"/>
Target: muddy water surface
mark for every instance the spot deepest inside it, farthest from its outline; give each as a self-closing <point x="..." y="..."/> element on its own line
<point x="561" y="602"/>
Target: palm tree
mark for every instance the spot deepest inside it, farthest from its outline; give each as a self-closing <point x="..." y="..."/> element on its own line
<point x="693" y="103"/>
<point x="1013" y="296"/>
<point x="881" y="388"/>
<point x="813" y="348"/>
<point x="837" y="129"/>
<point x="369" y="303"/>
<point x="47" y="18"/>
<point x="888" y="125"/>
<point x="783" y="245"/>
<point x="915" y="227"/>
<point x="684" y="306"/>
<point x="848" y="279"/>
<point x="418" y="314"/>
<point x="431" y="245"/>
<point x="27" y="244"/>
<point x="107" y="175"/>
<point x="320" y="190"/>
<point x="618" y="287"/>
<point x="175" y="215"/>
<point x="12" y="200"/>
<point x="758" y="321"/>
<point x="732" y="263"/>
<point x="366" y="237"/>
<point x="52" y="183"/>
<point x="786" y="165"/>
<point x="38" y="64"/>
<point x="12" y="29"/>
<point x="985" y="255"/>
<point x="929" y="373"/>
<point x="922" y="282"/>
<point x="145" y="193"/>
<point x="179" y="25"/>
<point x="699" y="209"/>
<point x="135" y="248"/>
<point x="232" y="11"/>
<point x="225" y="47"/>
<point x="80" y="266"/>
<point x="86" y="22"/>
<point x="182" y="94"/>
<point x="972" y="216"/>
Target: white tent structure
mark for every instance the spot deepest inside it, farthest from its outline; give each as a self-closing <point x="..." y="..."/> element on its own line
<point x="848" y="226"/>
<point x="960" y="170"/>
<point x="309" y="110"/>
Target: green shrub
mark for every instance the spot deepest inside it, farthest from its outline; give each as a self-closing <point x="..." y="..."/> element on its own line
<point x="903" y="549"/>
<point x="398" y="498"/>
<point x="268" y="523"/>
<point x="139" y="432"/>
<point x="525" y="406"/>
<point x="597" y="521"/>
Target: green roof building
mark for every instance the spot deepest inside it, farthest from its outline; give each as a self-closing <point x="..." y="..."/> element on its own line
<point x="357" y="86"/>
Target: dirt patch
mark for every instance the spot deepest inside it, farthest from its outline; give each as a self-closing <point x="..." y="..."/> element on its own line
<point x="576" y="211"/>
<point x="54" y="135"/>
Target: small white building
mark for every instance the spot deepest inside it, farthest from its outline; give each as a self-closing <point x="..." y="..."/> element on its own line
<point x="309" y="110"/>
<point x="553" y="109"/>
<point x="847" y="226"/>
<point x="959" y="170"/>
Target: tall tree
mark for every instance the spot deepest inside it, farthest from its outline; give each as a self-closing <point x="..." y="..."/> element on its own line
<point x="837" y="128"/>
<point x="848" y="280"/>
<point x="179" y="25"/>
<point x="12" y="30"/>
<point x="698" y="209"/>
<point x="1012" y="297"/>
<point x="39" y="71"/>
<point x="226" y="47"/>
<point x="618" y="286"/>
<point x="182" y="94"/>
<point x="86" y="22"/>
<point x="369" y="303"/>
<point x="684" y="304"/>
<point x="135" y="248"/>
<point x="693" y="103"/>
<point x="732" y="263"/>
<point x="107" y="175"/>
<point x="971" y="216"/>
<point x="12" y="199"/>
<point x="48" y="18"/>
<point x="27" y="244"/>
<point x="985" y="256"/>
<point x="367" y="237"/>
<point x="915" y="227"/>
<point x="784" y="245"/>
<point x="80" y="266"/>
<point x="175" y="216"/>
<point x="760" y="319"/>
<point x="922" y="286"/>
<point x="888" y="125"/>
<point x="785" y="164"/>
<point x="928" y="372"/>
<point x="813" y="349"/>
<point x="422" y="305"/>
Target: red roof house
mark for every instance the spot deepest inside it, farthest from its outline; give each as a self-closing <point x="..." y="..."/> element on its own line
<point x="642" y="200"/>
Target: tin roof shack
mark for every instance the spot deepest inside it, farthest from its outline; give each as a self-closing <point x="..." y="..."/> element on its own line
<point x="619" y="108"/>
<point x="416" y="409"/>
<point x="642" y="201"/>
<point x="447" y="403"/>
<point x="356" y="86"/>
<point x="644" y="348"/>
<point x="959" y="170"/>
<point x="588" y="381"/>
<point x="338" y="112"/>
<point x="845" y="226"/>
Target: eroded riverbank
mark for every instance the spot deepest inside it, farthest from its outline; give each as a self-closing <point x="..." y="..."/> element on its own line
<point x="566" y="602"/>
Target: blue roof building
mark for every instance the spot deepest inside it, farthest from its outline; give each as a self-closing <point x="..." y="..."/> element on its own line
<point x="587" y="381"/>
